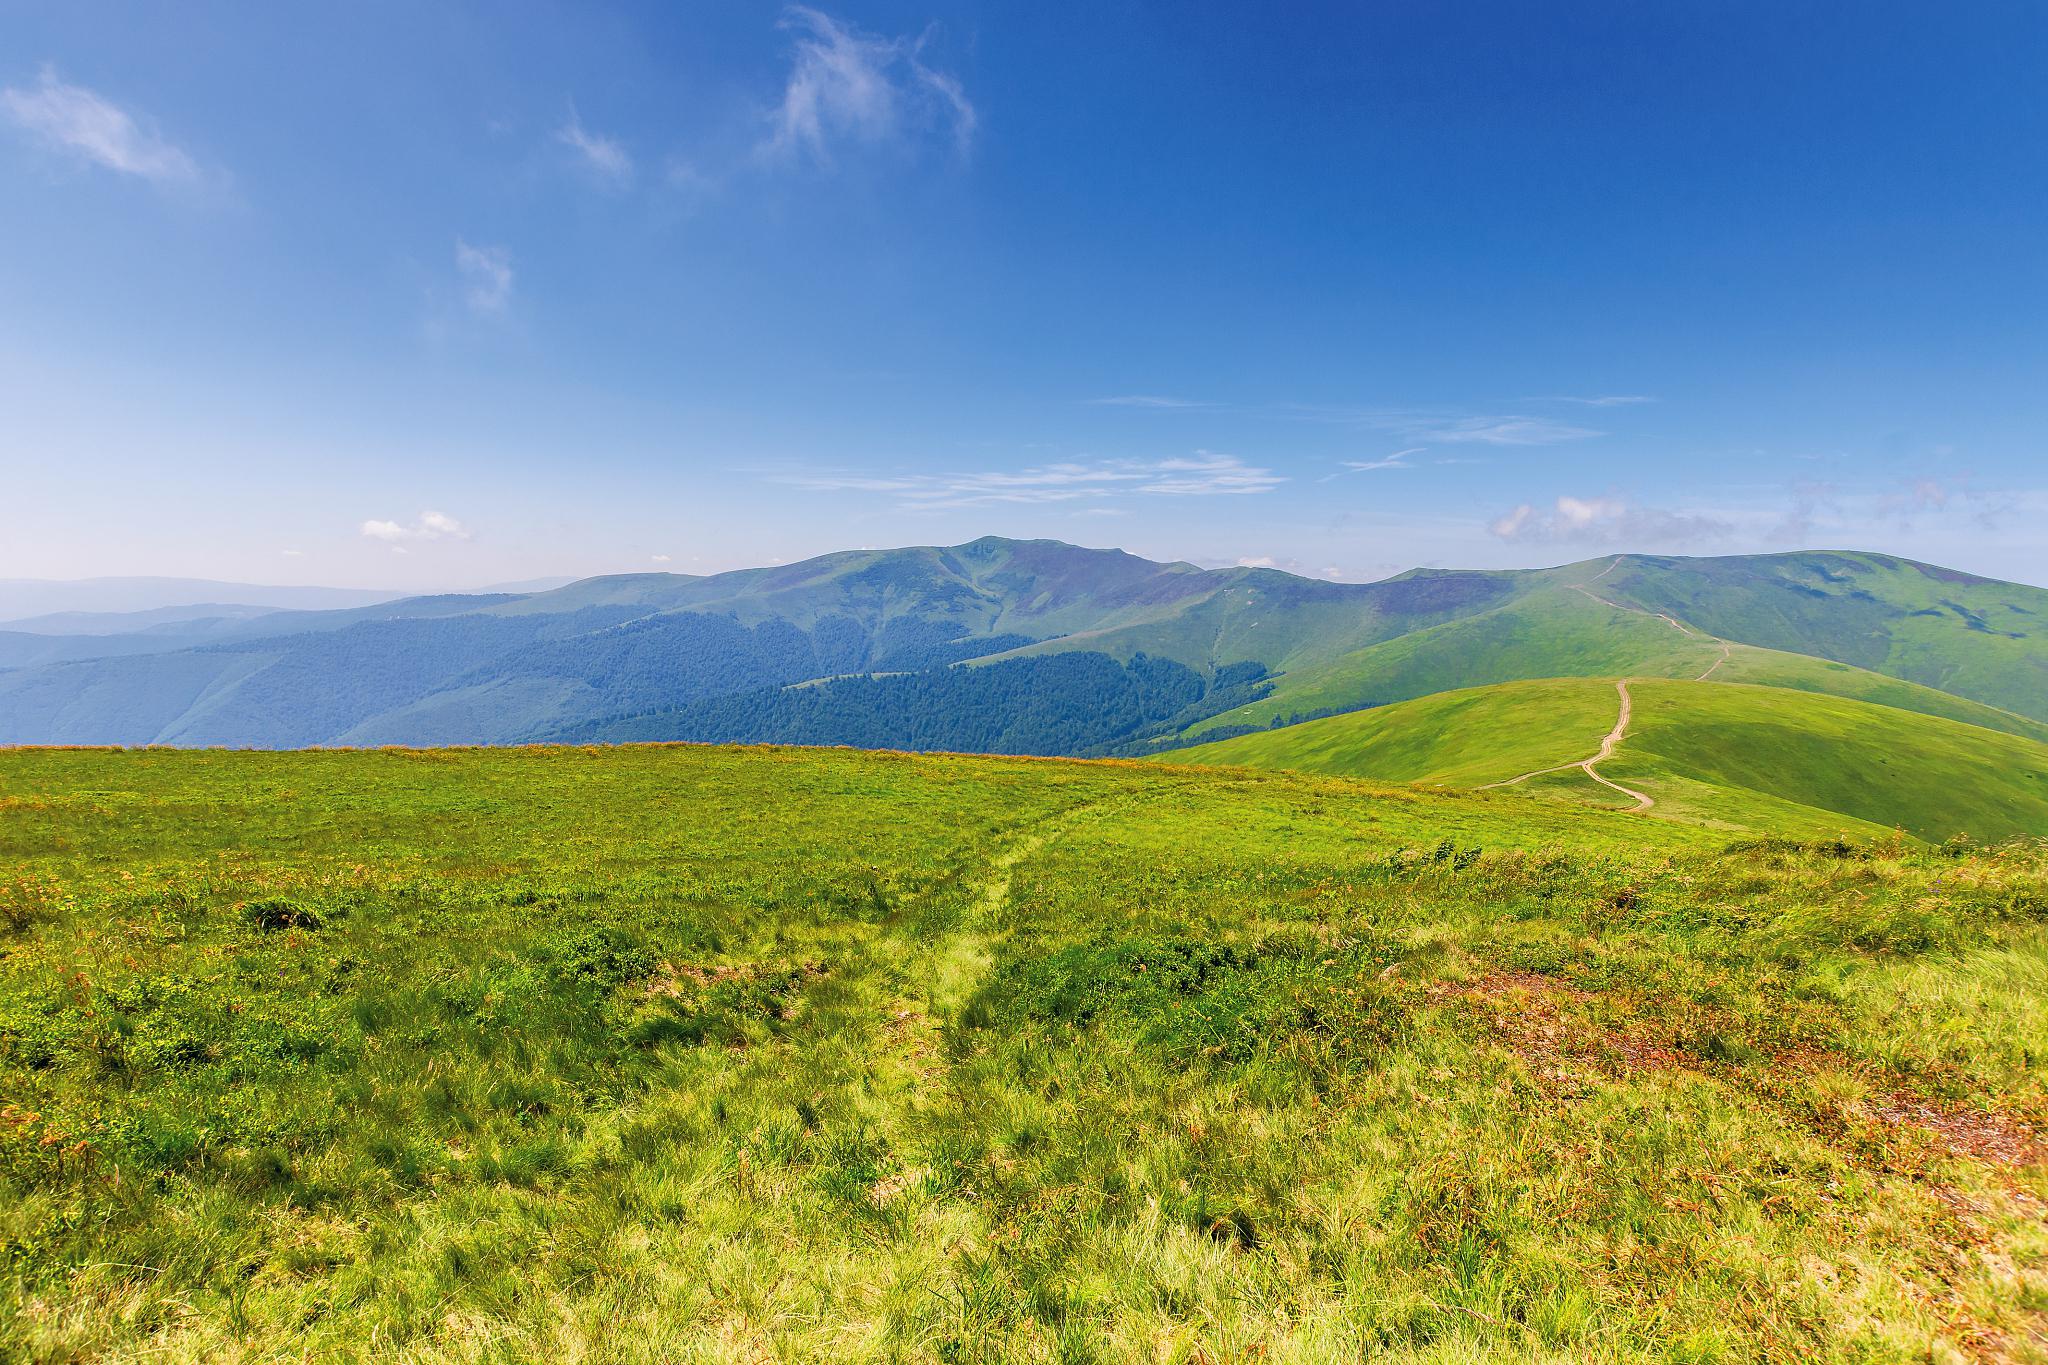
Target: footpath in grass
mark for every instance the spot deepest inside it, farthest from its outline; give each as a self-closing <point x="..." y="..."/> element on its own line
<point x="715" y="1054"/>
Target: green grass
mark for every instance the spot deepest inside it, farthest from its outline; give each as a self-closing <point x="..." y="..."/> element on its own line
<point x="1732" y="755"/>
<point x="1773" y="668"/>
<point x="1931" y="777"/>
<point x="711" y="1054"/>
<point x="1458" y="739"/>
<point x="1557" y="631"/>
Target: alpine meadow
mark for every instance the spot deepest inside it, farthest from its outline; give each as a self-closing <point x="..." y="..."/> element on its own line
<point x="869" y="682"/>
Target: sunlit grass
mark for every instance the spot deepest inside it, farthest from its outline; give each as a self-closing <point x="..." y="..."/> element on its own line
<point x="711" y="1054"/>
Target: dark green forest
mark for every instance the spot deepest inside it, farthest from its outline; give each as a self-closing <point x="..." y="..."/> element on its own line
<point x="1050" y="704"/>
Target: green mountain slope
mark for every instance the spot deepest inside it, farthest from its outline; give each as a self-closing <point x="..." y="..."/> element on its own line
<point x="1728" y="754"/>
<point x="1975" y="637"/>
<point x="1561" y="630"/>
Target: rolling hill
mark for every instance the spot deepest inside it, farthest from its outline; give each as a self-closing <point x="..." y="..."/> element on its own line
<point x="1890" y="616"/>
<point x="1728" y="754"/>
<point x="666" y="656"/>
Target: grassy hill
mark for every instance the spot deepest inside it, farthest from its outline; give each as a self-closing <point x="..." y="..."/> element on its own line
<point x="687" y="1053"/>
<point x="1932" y="777"/>
<point x="1733" y="754"/>
<point x="1975" y="637"/>
<point x="1563" y="631"/>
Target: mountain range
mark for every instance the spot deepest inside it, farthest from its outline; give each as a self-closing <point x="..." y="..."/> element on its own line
<point x="1034" y="647"/>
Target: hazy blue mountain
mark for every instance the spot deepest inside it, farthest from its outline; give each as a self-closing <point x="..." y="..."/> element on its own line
<point x="29" y="597"/>
<point x="681" y="656"/>
<point x="154" y="619"/>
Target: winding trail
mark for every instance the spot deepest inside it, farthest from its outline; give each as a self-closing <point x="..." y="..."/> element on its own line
<point x="1681" y="627"/>
<point x="1607" y="747"/>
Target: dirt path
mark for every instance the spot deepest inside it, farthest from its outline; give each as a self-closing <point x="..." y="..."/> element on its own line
<point x="1672" y="621"/>
<point x="1681" y="627"/>
<point x="1607" y="747"/>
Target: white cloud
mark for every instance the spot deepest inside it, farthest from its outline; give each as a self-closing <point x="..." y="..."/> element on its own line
<point x="427" y="526"/>
<point x="486" y="277"/>
<point x="1208" y="472"/>
<point x="1255" y="562"/>
<point x="73" y="119"/>
<point x="434" y="525"/>
<point x="659" y="559"/>
<point x="1605" y="521"/>
<point x="1611" y="400"/>
<point x="845" y="85"/>
<point x="604" y="156"/>
<point x="1510" y="525"/>
<point x="1205" y="473"/>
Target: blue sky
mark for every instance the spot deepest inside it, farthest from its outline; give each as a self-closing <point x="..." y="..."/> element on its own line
<point x="440" y="295"/>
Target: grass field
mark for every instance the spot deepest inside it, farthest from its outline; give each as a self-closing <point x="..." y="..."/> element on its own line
<point x="1730" y="755"/>
<point x="709" y="1054"/>
<point x="1464" y="738"/>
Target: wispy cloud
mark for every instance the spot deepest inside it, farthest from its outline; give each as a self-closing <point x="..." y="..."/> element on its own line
<point x="486" y="277"/>
<point x="1929" y="516"/>
<point x="1497" y="431"/>
<point x="1203" y="474"/>
<point x="1397" y="460"/>
<point x="849" y="86"/>
<point x="1206" y="473"/>
<point x="427" y="526"/>
<point x="1145" y="400"/>
<point x="77" y="122"/>
<point x="605" y="157"/>
<point x="1605" y="521"/>
<point x="1613" y="400"/>
<point x="1413" y="424"/>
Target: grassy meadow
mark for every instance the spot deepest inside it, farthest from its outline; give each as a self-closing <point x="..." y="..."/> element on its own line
<point x="713" y="1054"/>
<point x="1726" y="755"/>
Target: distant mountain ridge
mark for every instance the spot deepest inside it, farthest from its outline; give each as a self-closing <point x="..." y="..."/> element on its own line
<point x="23" y="598"/>
<point x="651" y="656"/>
